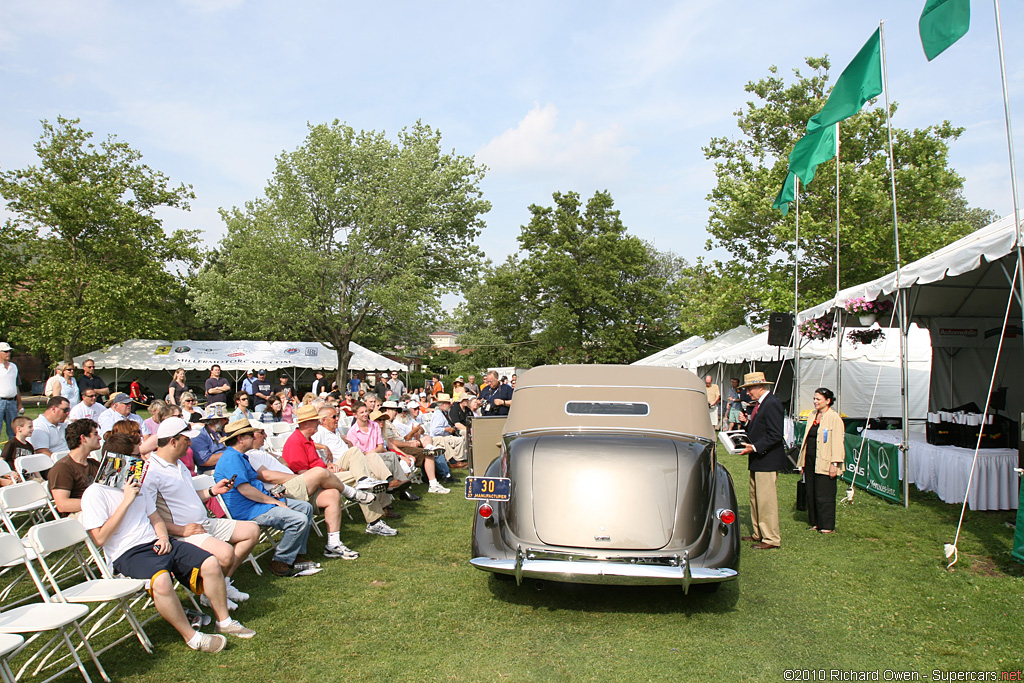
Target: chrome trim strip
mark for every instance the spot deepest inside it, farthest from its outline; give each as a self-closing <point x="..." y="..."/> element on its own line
<point x="607" y="430"/>
<point x="607" y="386"/>
<point x="611" y="573"/>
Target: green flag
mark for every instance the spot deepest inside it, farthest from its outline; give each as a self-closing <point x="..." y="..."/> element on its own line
<point x="786" y="194"/>
<point x="860" y="81"/>
<point x="942" y="23"/>
<point x="812" y="149"/>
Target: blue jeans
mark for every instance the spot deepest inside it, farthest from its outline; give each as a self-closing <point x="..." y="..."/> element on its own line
<point x="441" y="464"/>
<point x="294" y="521"/>
<point x="8" y="411"/>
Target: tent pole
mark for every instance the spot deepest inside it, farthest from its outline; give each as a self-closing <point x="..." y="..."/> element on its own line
<point x="1009" y="147"/>
<point x="901" y="295"/>
<point x="839" y="314"/>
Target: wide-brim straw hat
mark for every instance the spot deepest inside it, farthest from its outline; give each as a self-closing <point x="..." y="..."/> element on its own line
<point x="237" y="428"/>
<point x="442" y="398"/>
<point x="752" y="379"/>
<point x="305" y="414"/>
<point x="376" y="415"/>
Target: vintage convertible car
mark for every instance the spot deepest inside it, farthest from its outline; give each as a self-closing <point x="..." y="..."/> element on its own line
<point x="606" y="474"/>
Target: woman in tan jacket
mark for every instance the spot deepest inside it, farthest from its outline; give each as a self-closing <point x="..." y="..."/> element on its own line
<point x="824" y="446"/>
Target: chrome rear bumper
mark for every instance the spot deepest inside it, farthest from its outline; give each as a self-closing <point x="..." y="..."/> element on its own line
<point x="677" y="572"/>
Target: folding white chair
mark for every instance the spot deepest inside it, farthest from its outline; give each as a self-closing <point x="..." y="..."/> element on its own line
<point x="267" y="535"/>
<point x="9" y="642"/>
<point x="43" y="617"/>
<point x="36" y="464"/>
<point x="6" y="470"/>
<point x="26" y="503"/>
<point x="201" y="482"/>
<point x="112" y="596"/>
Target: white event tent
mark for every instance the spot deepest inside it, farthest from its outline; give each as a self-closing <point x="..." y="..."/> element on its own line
<point x="670" y="357"/>
<point x="864" y="368"/>
<point x="235" y="357"/>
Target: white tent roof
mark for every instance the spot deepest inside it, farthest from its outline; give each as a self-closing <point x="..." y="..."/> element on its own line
<point x="670" y="357"/>
<point x="704" y="354"/>
<point x="968" y="268"/>
<point x="757" y="349"/>
<point x="155" y="354"/>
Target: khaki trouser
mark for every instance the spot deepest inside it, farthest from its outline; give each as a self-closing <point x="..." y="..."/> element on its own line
<point x="764" y="507"/>
<point x="454" y="446"/>
<point x="358" y="465"/>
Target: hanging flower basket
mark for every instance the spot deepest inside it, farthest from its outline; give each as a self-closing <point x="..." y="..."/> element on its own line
<point x="870" y="335"/>
<point x="867" y="311"/>
<point x="818" y="328"/>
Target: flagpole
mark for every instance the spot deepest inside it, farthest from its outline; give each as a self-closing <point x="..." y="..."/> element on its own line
<point x="903" y="315"/>
<point x="796" y="305"/>
<point x="839" y="326"/>
<point x="1009" y="146"/>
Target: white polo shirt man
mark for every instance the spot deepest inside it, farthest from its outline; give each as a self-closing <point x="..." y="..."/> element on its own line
<point x="49" y="436"/>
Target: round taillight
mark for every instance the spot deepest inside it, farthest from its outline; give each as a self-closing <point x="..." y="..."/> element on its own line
<point x="727" y="516"/>
<point x="485" y="510"/>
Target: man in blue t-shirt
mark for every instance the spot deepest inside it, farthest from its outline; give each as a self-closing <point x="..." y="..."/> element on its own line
<point x="249" y="499"/>
<point x="262" y="390"/>
<point x="353" y="384"/>
<point x="496" y="398"/>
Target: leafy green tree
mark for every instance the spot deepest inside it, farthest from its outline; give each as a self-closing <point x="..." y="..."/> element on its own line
<point x="497" y="316"/>
<point x="355" y="233"/>
<point x="596" y="291"/>
<point x="90" y="263"/>
<point x="751" y="168"/>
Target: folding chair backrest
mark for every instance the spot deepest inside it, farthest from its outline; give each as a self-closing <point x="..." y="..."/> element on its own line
<point x="5" y="469"/>
<point x="283" y="428"/>
<point x="11" y="549"/>
<point x="201" y="482"/>
<point x="33" y="463"/>
<point x="57" y="455"/>
<point x="20" y="495"/>
<point x="50" y="537"/>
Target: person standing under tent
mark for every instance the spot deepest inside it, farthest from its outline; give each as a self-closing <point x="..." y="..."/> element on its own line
<point x="767" y="455"/>
<point x="733" y="407"/>
<point x="714" y="400"/>
<point x="823" y="445"/>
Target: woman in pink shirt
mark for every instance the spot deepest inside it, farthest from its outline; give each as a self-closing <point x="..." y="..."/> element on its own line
<point x="363" y="434"/>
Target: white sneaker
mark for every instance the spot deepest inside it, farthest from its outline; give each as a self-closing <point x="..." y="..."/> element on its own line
<point x="372" y="484"/>
<point x="205" y="602"/>
<point x="211" y="642"/>
<point x="234" y="593"/>
<point x="380" y="528"/>
<point x="437" y="488"/>
<point x="236" y="629"/>
<point x="363" y="497"/>
<point x="340" y="550"/>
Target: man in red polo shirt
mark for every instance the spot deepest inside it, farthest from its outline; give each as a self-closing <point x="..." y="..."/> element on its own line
<point x="300" y="454"/>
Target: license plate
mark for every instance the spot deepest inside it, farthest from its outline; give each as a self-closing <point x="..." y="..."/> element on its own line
<point x="488" y="488"/>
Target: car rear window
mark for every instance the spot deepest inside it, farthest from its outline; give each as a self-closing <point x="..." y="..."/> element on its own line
<point x="607" y="408"/>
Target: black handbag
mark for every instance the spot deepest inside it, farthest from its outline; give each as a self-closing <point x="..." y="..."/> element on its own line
<point x="801" y="496"/>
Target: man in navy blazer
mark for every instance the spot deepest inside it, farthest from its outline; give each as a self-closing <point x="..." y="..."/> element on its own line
<point x="767" y="455"/>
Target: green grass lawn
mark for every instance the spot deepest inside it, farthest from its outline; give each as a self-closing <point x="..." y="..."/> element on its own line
<point x="874" y="596"/>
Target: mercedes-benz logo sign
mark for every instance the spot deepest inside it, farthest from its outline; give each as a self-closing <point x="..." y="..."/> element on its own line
<point x="883" y="464"/>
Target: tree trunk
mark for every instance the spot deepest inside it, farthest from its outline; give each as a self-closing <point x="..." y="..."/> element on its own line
<point x="344" y="356"/>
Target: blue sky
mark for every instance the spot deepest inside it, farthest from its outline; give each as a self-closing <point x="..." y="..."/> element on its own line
<point x="552" y="96"/>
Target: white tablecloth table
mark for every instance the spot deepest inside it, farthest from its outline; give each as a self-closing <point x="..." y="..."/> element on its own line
<point x="946" y="469"/>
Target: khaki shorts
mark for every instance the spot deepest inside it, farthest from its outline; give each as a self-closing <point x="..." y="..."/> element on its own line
<point x="215" y="528"/>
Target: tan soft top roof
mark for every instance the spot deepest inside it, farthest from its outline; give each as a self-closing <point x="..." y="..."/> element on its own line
<point x="676" y="399"/>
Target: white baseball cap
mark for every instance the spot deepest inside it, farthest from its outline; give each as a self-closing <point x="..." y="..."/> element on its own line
<point x="174" y="426"/>
<point x="413" y="405"/>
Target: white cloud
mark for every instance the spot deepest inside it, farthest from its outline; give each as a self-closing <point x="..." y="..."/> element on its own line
<point x="538" y="144"/>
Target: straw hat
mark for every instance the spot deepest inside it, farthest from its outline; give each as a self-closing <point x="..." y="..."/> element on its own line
<point x="752" y="379"/>
<point x="306" y="413"/>
<point x="376" y="415"/>
<point x="216" y="411"/>
<point x="442" y="398"/>
<point x="236" y="429"/>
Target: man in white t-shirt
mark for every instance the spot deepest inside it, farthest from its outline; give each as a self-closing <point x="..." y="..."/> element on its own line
<point x="88" y="409"/>
<point x="183" y="508"/>
<point x="48" y="429"/>
<point x="135" y="540"/>
<point x="10" y="394"/>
